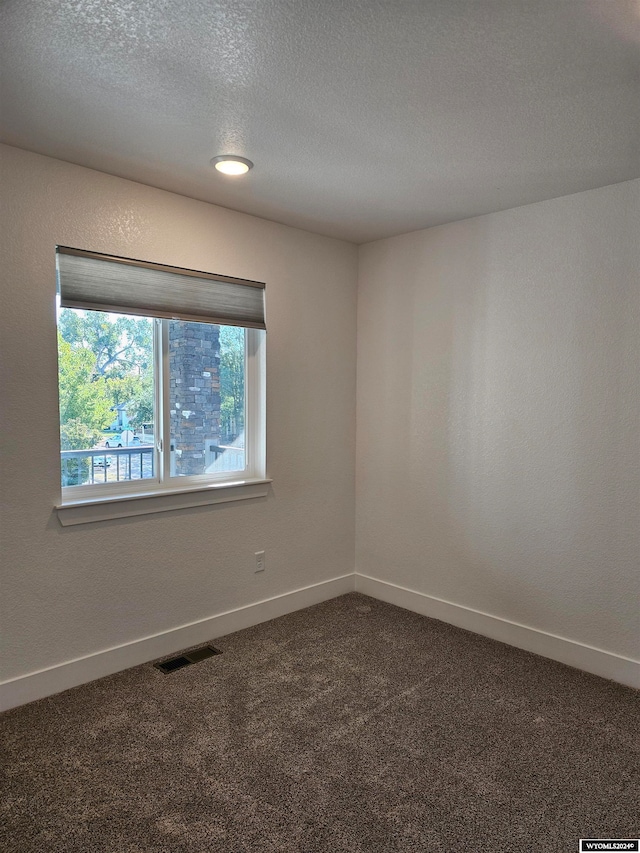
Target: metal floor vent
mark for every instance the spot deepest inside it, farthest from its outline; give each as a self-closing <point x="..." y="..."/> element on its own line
<point x="185" y="660"/>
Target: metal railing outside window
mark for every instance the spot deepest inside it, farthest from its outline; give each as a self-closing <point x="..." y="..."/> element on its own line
<point x="87" y="467"/>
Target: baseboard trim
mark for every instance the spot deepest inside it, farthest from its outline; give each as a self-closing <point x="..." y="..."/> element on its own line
<point x="596" y="661"/>
<point x="37" y="685"/>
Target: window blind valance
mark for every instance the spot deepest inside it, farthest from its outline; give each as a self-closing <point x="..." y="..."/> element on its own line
<point x="104" y="283"/>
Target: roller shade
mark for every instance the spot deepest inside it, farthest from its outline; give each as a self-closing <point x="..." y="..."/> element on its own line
<point x="120" y="285"/>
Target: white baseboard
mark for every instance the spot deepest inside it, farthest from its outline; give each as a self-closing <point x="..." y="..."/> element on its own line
<point x="606" y="664"/>
<point x="37" y="685"/>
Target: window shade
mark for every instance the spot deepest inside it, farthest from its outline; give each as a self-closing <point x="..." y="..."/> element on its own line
<point x="104" y="283"/>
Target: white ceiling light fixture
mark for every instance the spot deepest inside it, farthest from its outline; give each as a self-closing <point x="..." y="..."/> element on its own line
<point x="229" y="164"/>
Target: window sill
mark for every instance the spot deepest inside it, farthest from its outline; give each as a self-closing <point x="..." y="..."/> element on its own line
<point x="123" y="506"/>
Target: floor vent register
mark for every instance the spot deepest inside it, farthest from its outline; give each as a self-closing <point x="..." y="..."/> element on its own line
<point x="194" y="656"/>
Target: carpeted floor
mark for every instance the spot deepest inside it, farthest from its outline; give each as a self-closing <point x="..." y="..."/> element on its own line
<point x="351" y="726"/>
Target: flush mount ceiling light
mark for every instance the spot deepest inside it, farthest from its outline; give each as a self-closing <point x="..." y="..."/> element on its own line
<point x="229" y="164"/>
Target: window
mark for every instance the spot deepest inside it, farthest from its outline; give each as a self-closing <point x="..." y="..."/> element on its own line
<point x="161" y="379"/>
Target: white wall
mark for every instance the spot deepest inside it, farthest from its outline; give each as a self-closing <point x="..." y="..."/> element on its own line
<point x="71" y="592"/>
<point x="498" y="419"/>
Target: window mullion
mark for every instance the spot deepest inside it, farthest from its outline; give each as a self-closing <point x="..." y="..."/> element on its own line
<point x="249" y="407"/>
<point x="163" y="438"/>
<point x="254" y="402"/>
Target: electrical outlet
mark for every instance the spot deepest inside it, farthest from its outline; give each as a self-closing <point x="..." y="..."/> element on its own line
<point x="259" y="561"/>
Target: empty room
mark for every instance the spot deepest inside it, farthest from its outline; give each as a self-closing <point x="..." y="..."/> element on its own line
<point x="320" y="409"/>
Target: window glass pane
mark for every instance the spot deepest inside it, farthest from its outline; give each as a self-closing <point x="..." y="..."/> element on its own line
<point x="106" y="388"/>
<point x="206" y="398"/>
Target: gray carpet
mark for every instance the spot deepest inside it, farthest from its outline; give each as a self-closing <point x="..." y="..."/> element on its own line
<point x="351" y="726"/>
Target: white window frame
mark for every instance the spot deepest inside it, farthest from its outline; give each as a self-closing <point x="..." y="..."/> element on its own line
<point x="102" y="501"/>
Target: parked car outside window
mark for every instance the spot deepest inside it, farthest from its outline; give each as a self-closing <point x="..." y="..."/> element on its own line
<point x="120" y="440"/>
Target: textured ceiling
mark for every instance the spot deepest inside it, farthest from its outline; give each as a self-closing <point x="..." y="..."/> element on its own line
<point x="364" y="118"/>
